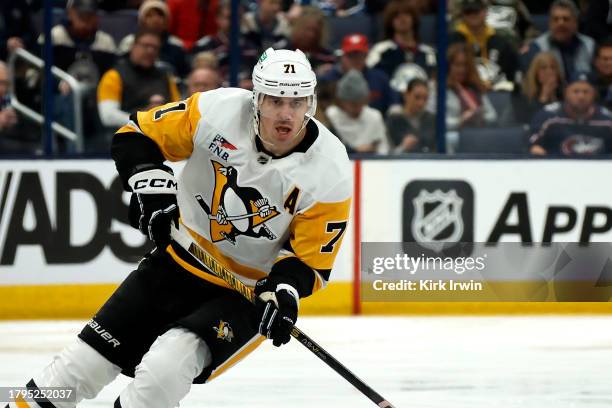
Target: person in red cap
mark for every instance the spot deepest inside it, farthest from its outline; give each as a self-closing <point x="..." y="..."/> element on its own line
<point x="354" y="51"/>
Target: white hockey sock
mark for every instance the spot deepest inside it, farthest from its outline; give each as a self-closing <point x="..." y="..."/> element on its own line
<point x="166" y="372"/>
<point x="81" y="367"/>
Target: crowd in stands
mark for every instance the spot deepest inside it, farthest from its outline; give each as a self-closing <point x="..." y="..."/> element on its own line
<point x="543" y="68"/>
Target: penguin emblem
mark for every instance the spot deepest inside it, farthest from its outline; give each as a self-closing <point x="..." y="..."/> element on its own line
<point x="224" y="331"/>
<point x="236" y="210"/>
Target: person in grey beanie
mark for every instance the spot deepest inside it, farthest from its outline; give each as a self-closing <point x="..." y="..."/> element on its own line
<point x="360" y="127"/>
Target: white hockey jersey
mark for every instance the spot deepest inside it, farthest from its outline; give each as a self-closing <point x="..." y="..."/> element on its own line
<point x="246" y="208"/>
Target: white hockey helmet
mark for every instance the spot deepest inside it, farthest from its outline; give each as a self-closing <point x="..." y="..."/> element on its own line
<point x="283" y="73"/>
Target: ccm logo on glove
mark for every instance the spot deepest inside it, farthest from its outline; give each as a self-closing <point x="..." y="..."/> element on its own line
<point x="154" y="181"/>
<point x="153" y="206"/>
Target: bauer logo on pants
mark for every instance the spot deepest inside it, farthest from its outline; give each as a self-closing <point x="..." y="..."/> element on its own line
<point x="438" y="212"/>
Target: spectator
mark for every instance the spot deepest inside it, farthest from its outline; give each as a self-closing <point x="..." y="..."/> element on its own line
<point x="401" y="44"/>
<point x="603" y="71"/>
<point x="361" y="128"/>
<point x="85" y="52"/>
<point x="413" y="129"/>
<point x="220" y="46"/>
<point x="542" y="86"/>
<point x="512" y="17"/>
<point x="114" y="5"/>
<point x="202" y="80"/>
<point x="205" y="59"/>
<point x="16" y="135"/>
<point x="467" y="104"/>
<point x="573" y="50"/>
<point x="267" y="26"/>
<point x="331" y="8"/>
<point x="154" y="15"/>
<point x="79" y="46"/>
<point x="538" y="6"/>
<point x="16" y="26"/>
<point x="135" y="83"/>
<point x="578" y="126"/>
<point x="8" y="117"/>
<point x="494" y="52"/>
<point x="309" y="34"/>
<point x="191" y="20"/>
<point x="354" y="53"/>
<point x="598" y="19"/>
<point x="326" y="95"/>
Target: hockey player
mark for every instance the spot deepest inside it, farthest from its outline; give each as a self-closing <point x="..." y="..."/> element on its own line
<point x="265" y="189"/>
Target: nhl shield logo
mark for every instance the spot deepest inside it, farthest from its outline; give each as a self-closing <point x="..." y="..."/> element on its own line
<point x="437" y="218"/>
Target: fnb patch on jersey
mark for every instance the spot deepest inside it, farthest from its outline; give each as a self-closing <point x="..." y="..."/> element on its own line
<point x="220" y="146"/>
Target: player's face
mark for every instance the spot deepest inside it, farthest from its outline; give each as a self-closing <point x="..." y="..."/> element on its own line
<point x="580" y="96"/>
<point x="281" y="119"/>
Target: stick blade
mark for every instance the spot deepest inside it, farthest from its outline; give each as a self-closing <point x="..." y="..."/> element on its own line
<point x="385" y="404"/>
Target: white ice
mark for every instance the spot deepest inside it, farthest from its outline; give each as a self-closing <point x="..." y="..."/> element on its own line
<point x="450" y="362"/>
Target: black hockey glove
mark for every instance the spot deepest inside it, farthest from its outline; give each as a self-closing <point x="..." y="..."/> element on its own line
<point x="277" y="310"/>
<point x="153" y="203"/>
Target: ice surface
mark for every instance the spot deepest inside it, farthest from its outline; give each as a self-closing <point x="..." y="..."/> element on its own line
<point x="450" y="362"/>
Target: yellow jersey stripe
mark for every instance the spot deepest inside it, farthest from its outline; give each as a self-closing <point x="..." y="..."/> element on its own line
<point x="197" y="272"/>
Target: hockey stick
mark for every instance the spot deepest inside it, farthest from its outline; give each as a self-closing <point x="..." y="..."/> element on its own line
<point x="222" y="272"/>
<point x="238" y="217"/>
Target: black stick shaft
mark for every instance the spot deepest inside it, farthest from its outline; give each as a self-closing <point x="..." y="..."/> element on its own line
<point x="219" y="270"/>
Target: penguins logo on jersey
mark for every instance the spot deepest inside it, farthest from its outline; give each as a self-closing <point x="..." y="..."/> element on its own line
<point x="224" y="331"/>
<point x="236" y="210"/>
